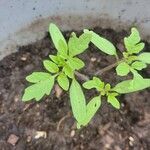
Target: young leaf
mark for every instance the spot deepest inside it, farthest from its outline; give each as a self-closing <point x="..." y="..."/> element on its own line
<point x="37" y="77"/>
<point x="68" y="71"/>
<point x="95" y="83"/>
<point x="78" y="102"/>
<point x="75" y="63"/>
<point x="50" y="66"/>
<point x="132" y="42"/>
<point x="92" y="108"/>
<point x="57" y="38"/>
<point x="63" y="81"/>
<point x="62" y="49"/>
<point x="39" y="89"/>
<point x="103" y="44"/>
<point x="138" y="65"/>
<point x="123" y="69"/>
<point x="113" y="101"/>
<point x="57" y="59"/>
<point x="78" y="45"/>
<point x="144" y="57"/>
<point x="126" y="86"/>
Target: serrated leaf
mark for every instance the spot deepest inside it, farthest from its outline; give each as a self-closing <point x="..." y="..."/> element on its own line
<point x="37" y="77"/>
<point x="113" y="101"/>
<point x="92" y="108"/>
<point x="127" y="86"/>
<point x="38" y="90"/>
<point x="137" y="48"/>
<point x="123" y="69"/>
<point x="132" y="42"/>
<point x="75" y="63"/>
<point x="138" y="65"/>
<point x="63" y="81"/>
<point x="68" y="71"/>
<point x="57" y="36"/>
<point x="50" y="66"/>
<point x="57" y="59"/>
<point x="103" y="44"/>
<point x="78" y="102"/>
<point x="107" y="87"/>
<point x="144" y="57"/>
<point x="78" y="45"/>
<point x="94" y="83"/>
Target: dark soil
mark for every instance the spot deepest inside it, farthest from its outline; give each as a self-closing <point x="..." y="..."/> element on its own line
<point x="127" y="128"/>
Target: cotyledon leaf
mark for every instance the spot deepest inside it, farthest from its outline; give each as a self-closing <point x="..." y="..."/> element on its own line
<point x="57" y="37"/>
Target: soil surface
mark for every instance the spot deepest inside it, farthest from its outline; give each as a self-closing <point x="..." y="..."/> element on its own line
<point x="33" y="125"/>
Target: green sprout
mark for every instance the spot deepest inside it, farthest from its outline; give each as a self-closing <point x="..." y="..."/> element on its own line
<point x="64" y="66"/>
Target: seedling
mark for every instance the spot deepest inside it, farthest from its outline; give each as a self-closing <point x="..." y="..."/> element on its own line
<point x="64" y="66"/>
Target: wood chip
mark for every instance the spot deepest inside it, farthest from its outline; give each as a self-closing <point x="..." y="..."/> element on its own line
<point x="40" y="134"/>
<point x="58" y="91"/>
<point x="13" y="139"/>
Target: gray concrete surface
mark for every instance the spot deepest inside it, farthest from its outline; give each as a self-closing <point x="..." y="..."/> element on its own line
<point x="25" y="21"/>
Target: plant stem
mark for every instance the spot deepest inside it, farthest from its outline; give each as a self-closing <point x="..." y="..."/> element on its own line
<point x="99" y="72"/>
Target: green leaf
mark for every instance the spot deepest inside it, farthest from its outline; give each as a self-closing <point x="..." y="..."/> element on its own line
<point x="39" y="89"/>
<point x="94" y="83"/>
<point x="75" y="63"/>
<point x="107" y="87"/>
<point x="63" y="81"/>
<point x="144" y="57"/>
<point x="103" y="44"/>
<point x="57" y="38"/>
<point x="127" y="86"/>
<point x="37" y="77"/>
<point x="78" y="102"/>
<point x="78" y="45"/>
<point x="63" y="50"/>
<point x="57" y="59"/>
<point x="50" y="66"/>
<point x="92" y="108"/>
<point x="138" y="65"/>
<point x="68" y="71"/>
<point x="132" y="42"/>
<point x="113" y="101"/>
<point x="123" y="69"/>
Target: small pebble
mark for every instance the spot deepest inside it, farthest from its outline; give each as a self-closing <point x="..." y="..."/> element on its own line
<point x="93" y="59"/>
<point x="29" y="139"/>
<point x="40" y="134"/>
<point x="72" y="134"/>
<point x="13" y="139"/>
<point x="23" y="58"/>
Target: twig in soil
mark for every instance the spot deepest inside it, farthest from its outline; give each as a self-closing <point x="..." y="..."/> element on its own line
<point x="62" y="119"/>
<point x="82" y="76"/>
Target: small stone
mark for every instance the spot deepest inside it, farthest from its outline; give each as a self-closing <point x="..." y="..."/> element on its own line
<point x="82" y="136"/>
<point x="23" y="58"/>
<point x="13" y="139"/>
<point x="29" y="139"/>
<point x="131" y="138"/>
<point x="72" y="134"/>
<point x="93" y="59"/>
<point x="40" y="134"/>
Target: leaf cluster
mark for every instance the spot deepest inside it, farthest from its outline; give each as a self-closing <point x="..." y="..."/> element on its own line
<point x="61" y="68"/>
